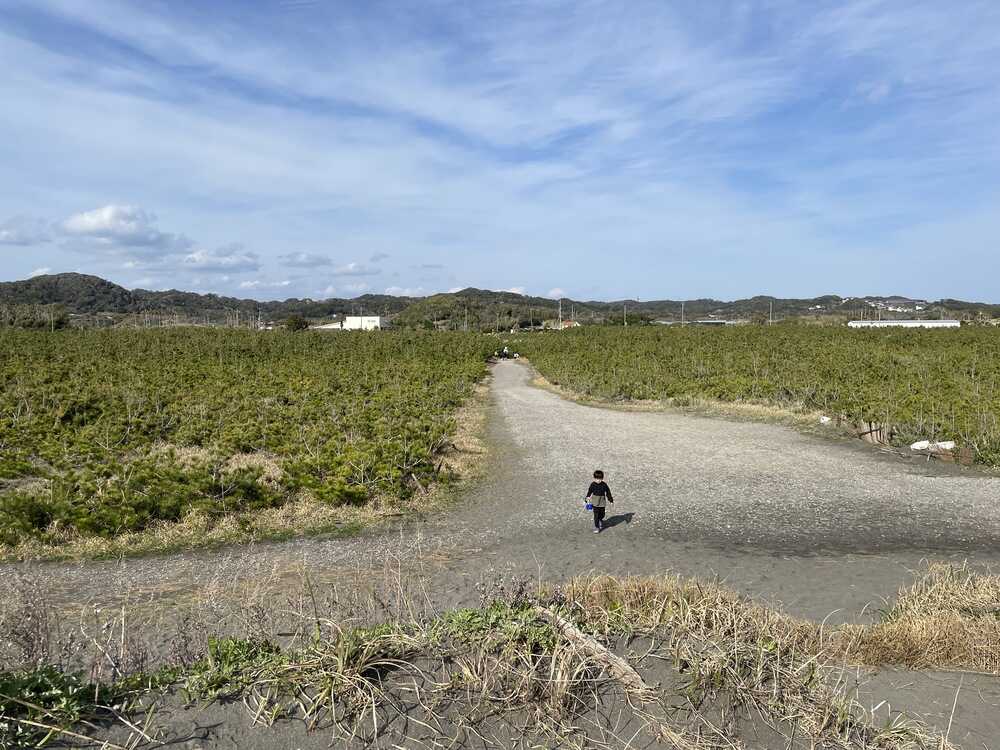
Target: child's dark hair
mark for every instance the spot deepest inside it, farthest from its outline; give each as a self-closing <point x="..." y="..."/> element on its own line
<point x="598" y="474"/>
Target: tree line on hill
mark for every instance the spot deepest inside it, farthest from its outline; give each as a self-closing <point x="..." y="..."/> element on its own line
<point x="56" y="300"/>
<point x="89" y="296"/>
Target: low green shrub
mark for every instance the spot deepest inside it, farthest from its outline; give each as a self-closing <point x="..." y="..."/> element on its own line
<point x="38" y="706"/>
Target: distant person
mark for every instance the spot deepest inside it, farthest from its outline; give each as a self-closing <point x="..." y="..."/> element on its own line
<point x="506" y="353"/>
<point x="598" y="494"/>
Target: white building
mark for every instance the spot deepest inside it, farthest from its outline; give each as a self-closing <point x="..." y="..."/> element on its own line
<point x="904" y="323"/>
<point x="354" y="323"/>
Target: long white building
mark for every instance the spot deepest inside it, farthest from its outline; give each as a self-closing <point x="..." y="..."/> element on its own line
<point x="904" y="323"/>
<point x="354" y="323"/>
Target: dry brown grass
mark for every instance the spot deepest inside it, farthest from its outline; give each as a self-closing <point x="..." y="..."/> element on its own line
<point x="648" y="604"/>
<point x="268" y="464"/>
<point x="788" y="671"/>
<point x="186" y="456"/>
<point x="957" y="589"/>
<point x="466" y="457"/>
<point x="948" y="619"/>
<point x="198" y="529"/>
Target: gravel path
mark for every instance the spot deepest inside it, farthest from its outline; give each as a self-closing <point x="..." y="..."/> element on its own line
<point x="816" y="524"/>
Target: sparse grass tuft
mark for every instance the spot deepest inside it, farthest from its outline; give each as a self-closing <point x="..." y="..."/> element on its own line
<point x="948" y="619"/>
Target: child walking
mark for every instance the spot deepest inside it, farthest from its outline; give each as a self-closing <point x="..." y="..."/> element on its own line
<point x="597" y="495"/>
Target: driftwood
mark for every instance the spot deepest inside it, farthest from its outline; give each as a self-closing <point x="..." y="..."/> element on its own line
<point x="423" y="491"/>
<point x="617" y="667"/>
<point x="627" y="677"/>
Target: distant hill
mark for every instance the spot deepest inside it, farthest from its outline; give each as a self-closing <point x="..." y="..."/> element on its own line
<point x="81" y="294"/>
<point x="76" y="292"/>
<point x="477" y="309"/>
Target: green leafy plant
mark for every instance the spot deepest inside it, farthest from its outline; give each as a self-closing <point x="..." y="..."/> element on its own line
<point x="41" y="706"/>
<point x="910" y="384"/>
<point x="105" y="432"/>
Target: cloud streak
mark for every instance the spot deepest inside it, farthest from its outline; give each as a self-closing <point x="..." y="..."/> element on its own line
<point x="356" y="269"/>
<point x="24" y="231"/>
<point x="305" y="260"/>
<point x="231" y="259"/>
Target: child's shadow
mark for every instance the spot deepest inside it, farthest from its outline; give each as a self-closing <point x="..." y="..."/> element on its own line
<point x="615" y="520"/>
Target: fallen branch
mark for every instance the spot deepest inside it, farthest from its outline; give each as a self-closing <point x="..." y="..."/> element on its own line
<point x="617" y="667"/>
<point x="422" y="490"/>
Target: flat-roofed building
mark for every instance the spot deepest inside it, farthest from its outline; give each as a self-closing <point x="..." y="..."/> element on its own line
<point x="904" y="323"/>
<point x="354" y="323"/>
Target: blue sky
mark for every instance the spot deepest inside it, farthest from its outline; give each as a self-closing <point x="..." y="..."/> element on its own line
<point x="591" y="149"/>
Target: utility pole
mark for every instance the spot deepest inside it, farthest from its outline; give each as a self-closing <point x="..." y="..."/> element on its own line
<point x="682" y="312"/>
<point x="560" y="314"/>
<point x="770" y="313"/>
<point x="625" y="314"/>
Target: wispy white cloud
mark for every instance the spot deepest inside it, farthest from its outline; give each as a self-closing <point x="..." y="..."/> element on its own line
<point x="356" y="269"/>
<point x="341" y="291"/>
<point x="260" y="284"/>
<point x="406" y="291"/>
<point x="123" y="226"/>
<point x="24" y="231"/>
<point x="305" y="260"/>
<point x="229" y="259"/>
<point x="40" y="272"/>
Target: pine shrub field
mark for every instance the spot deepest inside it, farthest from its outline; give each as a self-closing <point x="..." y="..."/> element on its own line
<point x="919" y="384"/>
<point x="106" y="432"/>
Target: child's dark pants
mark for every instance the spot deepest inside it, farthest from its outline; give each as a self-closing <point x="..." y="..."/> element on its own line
<point x="598" y="517"/>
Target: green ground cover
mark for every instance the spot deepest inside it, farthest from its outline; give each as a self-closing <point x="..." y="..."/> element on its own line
<point x="921" y="384"/>
<point x="109" y="432"/>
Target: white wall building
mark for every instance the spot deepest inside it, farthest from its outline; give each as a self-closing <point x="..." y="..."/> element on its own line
<point x="354" y="323"/>
<point x="904" y="323"/>
<point x="362" y="322"/>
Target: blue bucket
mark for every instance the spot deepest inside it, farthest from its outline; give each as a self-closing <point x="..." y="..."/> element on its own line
<point x="589" y="506"/>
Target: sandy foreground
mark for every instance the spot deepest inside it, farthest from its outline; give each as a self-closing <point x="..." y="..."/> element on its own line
<point x="823" y="528"/>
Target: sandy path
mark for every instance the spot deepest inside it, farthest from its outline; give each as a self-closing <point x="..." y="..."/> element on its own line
<point x="822" y="526"/>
